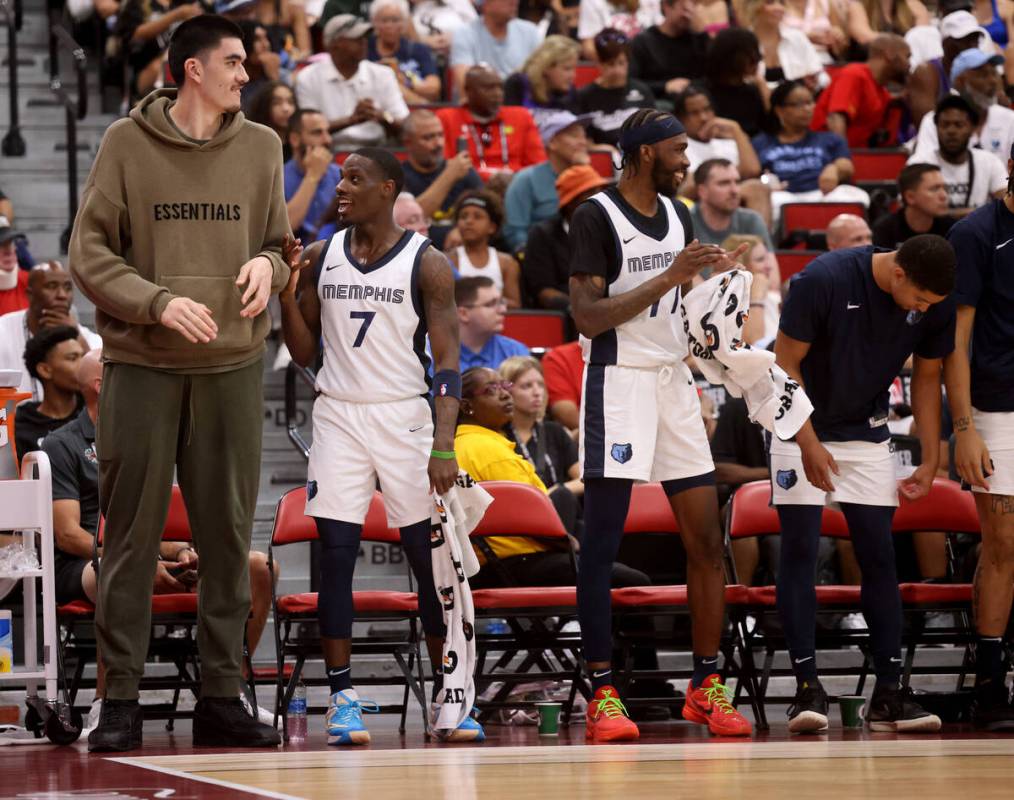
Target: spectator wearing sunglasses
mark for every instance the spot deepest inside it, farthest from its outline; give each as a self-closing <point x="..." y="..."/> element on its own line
<point x="614" y="95"/>
<point x="481" y="313"/>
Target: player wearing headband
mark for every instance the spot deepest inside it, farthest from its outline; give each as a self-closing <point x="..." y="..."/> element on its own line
<point x="372" y="292"/>
<point x="633" y="251"/>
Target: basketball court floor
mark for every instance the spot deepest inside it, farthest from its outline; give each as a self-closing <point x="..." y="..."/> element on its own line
<point x="671" y="760"/>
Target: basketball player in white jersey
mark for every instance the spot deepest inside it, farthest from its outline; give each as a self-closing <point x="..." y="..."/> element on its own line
<point x="633" y="249"/>
<point x="373" y="292"/>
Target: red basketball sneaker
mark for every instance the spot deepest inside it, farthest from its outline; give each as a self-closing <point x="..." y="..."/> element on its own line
<point x="606" y="719"/>
<point x="708" y="704"/>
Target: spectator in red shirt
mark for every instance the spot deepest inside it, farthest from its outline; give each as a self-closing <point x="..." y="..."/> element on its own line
<point x="499" y="137"/>
<point x="13" y="281"/>
<point x="855" y="105"/>
<point x="563" y="370"/>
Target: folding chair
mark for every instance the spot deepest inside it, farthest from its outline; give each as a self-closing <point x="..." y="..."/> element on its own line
<point x="878" y="166"/>
<point x="804" y="218"/>
<point x="177" y="612"/>
<point x="543" y="329"/>
<point x="534" y="614"/>
<point x="791" y="262"/>
<point x="293" y="611"/>
<point x="751" y="515"/>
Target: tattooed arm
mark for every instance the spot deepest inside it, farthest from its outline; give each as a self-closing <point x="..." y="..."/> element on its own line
<point x="971" y="457"/>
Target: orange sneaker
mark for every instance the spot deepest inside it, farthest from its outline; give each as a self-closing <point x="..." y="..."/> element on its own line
<point x="708" y="704"/>
<point x="606" y="719"/>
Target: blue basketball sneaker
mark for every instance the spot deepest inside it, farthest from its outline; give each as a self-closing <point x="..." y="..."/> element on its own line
<point x="468" y="731"/>
<point x="344" y="718"/>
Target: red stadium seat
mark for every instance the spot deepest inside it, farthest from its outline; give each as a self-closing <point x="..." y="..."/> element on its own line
<point x="649" y="511"/>
<point x="587" y="72"/>
<point x="602" y="161"/>
<point x="536" y="328"/>
<point x="815" y="216"/>
<point x="792" y="261"/>
<point x="292" y="526"/>
<point x="878" y="165"/>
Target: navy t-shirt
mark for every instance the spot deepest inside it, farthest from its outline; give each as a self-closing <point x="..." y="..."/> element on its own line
<point x="984" y="242"/>
<point x="800" y="163"/>
<point x="414" y="58"/>
<point x="859" y="341"/>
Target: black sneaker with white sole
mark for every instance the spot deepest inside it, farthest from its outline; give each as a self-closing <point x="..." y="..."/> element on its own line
<point x="892" y="710"/>
<point x="993" y="710"/>
<point x="808" y="712"/>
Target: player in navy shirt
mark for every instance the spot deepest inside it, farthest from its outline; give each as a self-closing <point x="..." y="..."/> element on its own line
<point x="850" y="321"/>
<point x="981" y="397"/>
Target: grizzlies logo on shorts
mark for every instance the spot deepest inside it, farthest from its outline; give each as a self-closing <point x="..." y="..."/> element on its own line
<point x="786" y="478"/>
<point x="622" y="452"/>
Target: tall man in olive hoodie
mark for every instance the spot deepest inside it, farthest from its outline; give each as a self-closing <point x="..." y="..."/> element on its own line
<point x="178" y="243"/>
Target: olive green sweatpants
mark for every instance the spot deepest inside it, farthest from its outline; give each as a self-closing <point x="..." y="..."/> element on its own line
<point x="207" y="427"/>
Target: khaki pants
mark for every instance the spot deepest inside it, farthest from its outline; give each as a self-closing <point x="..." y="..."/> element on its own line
<point x="207" y="427"/>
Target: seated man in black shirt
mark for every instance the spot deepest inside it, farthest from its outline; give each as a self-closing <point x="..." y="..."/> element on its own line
<point x="924" y="208"/>
<point x="75" y="468"/>
<point x="436" y="183"/>
<point x="51" y="357"/>
<point x="669" y="55"/>
<point x="546" y="268"/>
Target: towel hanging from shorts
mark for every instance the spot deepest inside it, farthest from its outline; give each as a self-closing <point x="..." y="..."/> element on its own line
<point x="454" y="516"/>
<point x="714" y="314"/>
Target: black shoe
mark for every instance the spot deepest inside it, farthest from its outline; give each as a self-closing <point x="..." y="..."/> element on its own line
<point x="892" y="710"/>
<point x="119" y="727"/>
<point x="992" y="710"/>
<point x="808" y="712"/>
<point x="223" y="722"/>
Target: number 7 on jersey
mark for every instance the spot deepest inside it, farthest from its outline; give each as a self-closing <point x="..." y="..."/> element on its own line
<point x="367" y="318"/>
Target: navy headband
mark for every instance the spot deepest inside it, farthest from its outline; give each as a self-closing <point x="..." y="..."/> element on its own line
<point x="655" y="131"/>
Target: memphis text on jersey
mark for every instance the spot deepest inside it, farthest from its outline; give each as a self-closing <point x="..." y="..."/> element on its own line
<point x="354" y="291"/>
<point x="650" y="261"/>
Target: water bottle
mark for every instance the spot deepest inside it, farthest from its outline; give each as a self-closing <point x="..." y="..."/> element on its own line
<point x="297" y="714"/>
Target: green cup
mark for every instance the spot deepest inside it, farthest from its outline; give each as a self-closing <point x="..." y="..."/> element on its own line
<point x="549" y="718"/>
<point x="853" y="710"/>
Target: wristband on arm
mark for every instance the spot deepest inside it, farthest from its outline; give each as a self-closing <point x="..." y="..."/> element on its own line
<point x="447" y="383"/>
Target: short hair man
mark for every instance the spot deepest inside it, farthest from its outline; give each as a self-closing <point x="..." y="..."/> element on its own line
<point x="498" y="38"/>
<point x="192" y="194"/>
<point x="50" y="304"/>
<point x="975" y="76"/>
<point x="850" y="321"/>
<point x="979" y="375"/>
<point x="360" y="99"/>
<point x="481" y="311"/>
<point x="13" y="279"/>
<point x="669" y="55"/>
<point x="51" y="357"/>
<point x="546" y="273"/>
<point x="923" y="207"/>
<point x="972" y="176"/>
<point x="848" y="230"/>
<point x="311" y="176"/>
<point x="497" y="137"/>
<point x="855" y="104"/>
<point x="531" y="196"/>
<point x="717" y="214"/>
<point x="435" y="180"/>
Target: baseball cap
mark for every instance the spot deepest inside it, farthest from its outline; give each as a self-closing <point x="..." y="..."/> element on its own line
<point x="229" y="6"/>
<point x="574" y="181"/>
<point x="552" y="122"/>
<point x="959" y="24"/>
<point x="346" y="26"/>
<point x="973" y="58"/>
<point x="7" y="231"/>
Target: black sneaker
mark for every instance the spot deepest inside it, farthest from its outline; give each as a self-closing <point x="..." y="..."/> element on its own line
<point x="119" y="727"/>
<point x="808" y="712"/>
<point x="992" y="710"/>
<point x="892" y="710"/>
<point x="223" y="722"/>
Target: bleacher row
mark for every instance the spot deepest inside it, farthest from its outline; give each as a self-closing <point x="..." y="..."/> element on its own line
<point x="535" y="645"/>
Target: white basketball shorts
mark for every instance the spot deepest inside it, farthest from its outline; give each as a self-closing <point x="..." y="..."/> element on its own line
<point x="868" y="475"/>
<point x="355" y="444"/>
<point x="997" y="430"/>
<point x="642" y="424"/>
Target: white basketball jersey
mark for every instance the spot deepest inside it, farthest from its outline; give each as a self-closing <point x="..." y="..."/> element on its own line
<point x="372" y="322"/>
<point x="657" y="335"/>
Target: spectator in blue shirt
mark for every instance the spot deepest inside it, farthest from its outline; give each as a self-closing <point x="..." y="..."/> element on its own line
<point x="815" y="166"/>
<point x="481" y="311"/>
<point x="412" y="62"/>
<point x="311" y="176"/>
<point x="496" y="38"/>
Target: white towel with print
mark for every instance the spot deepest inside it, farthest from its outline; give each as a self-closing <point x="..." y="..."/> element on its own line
<point x="454" y="516"/>
<point x="714" y="315"/>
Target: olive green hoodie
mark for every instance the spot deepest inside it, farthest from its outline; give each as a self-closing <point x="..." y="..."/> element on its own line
<point x="165" y="216"/>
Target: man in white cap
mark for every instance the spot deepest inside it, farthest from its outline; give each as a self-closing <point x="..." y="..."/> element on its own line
<point x="975" y="77"/>
<point x="531" y="196"/>
<point x="931" y="80"/>
<point x="360" y="99"/>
